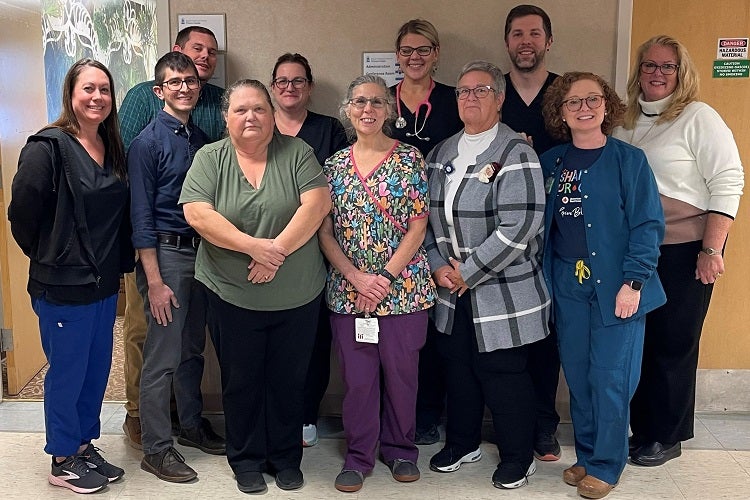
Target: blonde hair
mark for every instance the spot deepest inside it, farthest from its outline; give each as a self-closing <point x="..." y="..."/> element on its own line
<point x="687" y="81"/>
<point x="418" y="27"/>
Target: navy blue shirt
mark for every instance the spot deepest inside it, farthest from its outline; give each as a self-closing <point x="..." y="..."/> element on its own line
<point x="568" y="231"/>
<point x="158" y="160"/>
<point x="325" y="134"/>
<point x="528" y="119"/>
<point x="442" y="122"/>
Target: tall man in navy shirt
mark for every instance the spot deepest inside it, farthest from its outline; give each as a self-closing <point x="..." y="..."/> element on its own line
<point x="138" y="109"/>
<point x="528" y="38"/>
<point x="175" y="303"/>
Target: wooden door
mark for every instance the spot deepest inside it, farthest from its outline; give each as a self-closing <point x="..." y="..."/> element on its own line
<point x="699" y="24"/>
<point x="26" y="357"/>
<point x="22" y="112"/>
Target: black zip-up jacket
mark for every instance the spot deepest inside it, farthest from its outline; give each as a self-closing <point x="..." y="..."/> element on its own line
<point x="48" y="219"/>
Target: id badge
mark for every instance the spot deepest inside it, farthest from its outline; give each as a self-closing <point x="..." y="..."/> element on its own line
<point x="366" y="330"/>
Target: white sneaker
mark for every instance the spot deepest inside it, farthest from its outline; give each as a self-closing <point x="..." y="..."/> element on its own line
<point x="309" y="435"/>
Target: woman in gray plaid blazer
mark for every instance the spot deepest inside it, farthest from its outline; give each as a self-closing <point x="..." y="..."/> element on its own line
<point x="484" y="245"/>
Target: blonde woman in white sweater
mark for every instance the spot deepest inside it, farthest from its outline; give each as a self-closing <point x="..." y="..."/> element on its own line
<point x="700" y="178"/>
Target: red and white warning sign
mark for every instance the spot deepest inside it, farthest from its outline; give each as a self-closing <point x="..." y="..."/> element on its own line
<point x="732" y="48"/>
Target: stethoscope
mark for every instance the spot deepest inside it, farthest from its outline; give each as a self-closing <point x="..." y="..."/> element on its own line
<point x="401" y="121"/>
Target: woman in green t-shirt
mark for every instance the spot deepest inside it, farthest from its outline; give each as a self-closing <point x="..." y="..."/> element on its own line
<point x="257" y="198"/>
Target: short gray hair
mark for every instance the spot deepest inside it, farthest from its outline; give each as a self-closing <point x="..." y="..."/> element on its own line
<point x="351" y="134"/>
<point x="485" y="67"/>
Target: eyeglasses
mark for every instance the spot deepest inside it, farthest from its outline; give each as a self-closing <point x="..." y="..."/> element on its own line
<point x="375" y="102"/>
<point x="666" y="69"/>
<point x="479" y="92"/>
<point x="423" y="50"/>
<point x="575" y="103"/>
<point x="176" y="83"/>
<point x="283" y="83"/>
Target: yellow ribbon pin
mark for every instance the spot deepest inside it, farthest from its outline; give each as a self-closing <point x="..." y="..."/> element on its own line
<point x="582" y="272"/>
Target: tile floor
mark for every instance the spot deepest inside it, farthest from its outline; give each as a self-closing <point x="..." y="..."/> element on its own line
<point x="714" y="465"/>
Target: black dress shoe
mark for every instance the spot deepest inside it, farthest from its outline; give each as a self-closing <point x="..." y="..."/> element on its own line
<point x="204" y="438"/>
<point x="635" y="442"/>
<point x="656" y="453"/>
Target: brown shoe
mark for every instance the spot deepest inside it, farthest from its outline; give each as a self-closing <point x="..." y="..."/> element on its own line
<point x="168" y="465"/>
<point x="573" y="475"/>
<point x="132" y="429"/>
<point x="591" y="487"/>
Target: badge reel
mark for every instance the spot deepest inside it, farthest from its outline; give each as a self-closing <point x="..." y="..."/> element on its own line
<point x="366" y="330"/>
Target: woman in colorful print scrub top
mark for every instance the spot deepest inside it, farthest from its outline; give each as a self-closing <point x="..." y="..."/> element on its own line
<point x="379" y="287"/>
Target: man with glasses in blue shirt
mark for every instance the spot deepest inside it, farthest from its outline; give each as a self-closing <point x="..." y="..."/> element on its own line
<point x="158" y="160"/>
<point x="140" y="106"/>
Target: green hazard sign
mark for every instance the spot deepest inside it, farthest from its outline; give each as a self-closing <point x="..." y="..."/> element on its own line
<point x="732" y="69"/>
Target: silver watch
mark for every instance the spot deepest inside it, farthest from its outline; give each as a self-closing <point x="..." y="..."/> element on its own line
<point x="711" y="251"/>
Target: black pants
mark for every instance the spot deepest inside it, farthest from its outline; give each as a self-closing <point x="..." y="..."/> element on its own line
<point x="544" y="368"/>
<point x="499" y="378"/>
<point x="319" y="371"/>
<point x="663" y="407"/>
<point x="263" y="356"/>
<point x="431" y="392"/>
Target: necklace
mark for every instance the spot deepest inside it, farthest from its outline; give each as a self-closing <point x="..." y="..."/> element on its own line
<point x="635" y="143"/>
<point x="401" y="121"/>
<point x="643" y="137"/>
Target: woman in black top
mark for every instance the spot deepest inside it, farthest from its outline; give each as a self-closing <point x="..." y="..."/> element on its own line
<point x="427" y="111"/>
<point x="69" y="215"/>
<point x="292" y="86"/>
<point x="427" y="114"/>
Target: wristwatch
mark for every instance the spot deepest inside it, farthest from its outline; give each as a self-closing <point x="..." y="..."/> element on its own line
<point x="634" y="285"/>
<point x="710" y="251"/>
<point x="384" y="272"/>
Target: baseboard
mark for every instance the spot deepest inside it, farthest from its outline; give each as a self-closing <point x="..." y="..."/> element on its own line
<point x="722" y="390"/>
<point x="717" y="391"/>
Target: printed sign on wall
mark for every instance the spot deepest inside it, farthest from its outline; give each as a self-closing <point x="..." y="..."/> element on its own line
<point x="732" y="48"/>
<point x="731" y="58"/>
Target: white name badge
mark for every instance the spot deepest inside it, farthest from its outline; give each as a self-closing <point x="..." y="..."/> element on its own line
<point x="366" y="330"/>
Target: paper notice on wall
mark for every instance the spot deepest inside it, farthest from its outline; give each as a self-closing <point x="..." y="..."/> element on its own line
<point x="217" y="23"/>
<point x="384" y="65"/>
